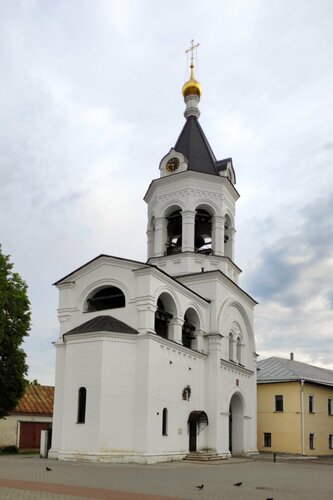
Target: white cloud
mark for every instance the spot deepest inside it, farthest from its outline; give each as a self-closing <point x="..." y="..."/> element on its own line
<point x="90" y="102"/>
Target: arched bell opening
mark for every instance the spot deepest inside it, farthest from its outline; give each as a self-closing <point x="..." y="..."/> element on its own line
<point x="109" y="297"/>
<point x="203" y="232"/>
<point x="227" y="237"/>
<point x="189" y="330"/>
<point x="174" y="232"/>
<point x="164" y="313"/>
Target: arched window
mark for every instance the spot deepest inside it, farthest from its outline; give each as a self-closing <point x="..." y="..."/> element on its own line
<point x="203" y="232"/>
<point x="81" y="410"/>
<point x="162" y="319"/>
<point x="174" y="232"/>
<point x="165" y="422"/>
<point x="231" y="347"/>
<point x="239" y="350"/>
<point x="110" y="297"/>
<point x="187" y="332"/>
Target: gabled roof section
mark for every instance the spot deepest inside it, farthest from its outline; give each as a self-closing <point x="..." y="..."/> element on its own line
<point x="287" y="370"/>
<point x="193" y="143"/>
<point x="102" y="324"/>
<point x="101" y="256"/>
<point x="37" y="400"/>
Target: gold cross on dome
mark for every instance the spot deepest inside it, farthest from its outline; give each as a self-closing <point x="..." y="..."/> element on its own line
<point x="191" y="49"/>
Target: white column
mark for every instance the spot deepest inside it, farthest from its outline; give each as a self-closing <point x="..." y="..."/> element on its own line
<point x="218" y="235"/>
<point x="175" y="330"/>
<point x="188" y="225"/>
<point x="214" y="356"/>
<point x="232" y="237"/>
<point x="160" y="237"/>
<point x="146" y="310"/>
<point x="150" y="243"/>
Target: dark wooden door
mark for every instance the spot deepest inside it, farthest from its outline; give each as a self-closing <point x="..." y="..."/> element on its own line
<point x="193" y="436"/>
<point x="30" y="434"/>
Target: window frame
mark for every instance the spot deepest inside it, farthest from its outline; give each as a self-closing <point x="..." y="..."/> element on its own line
<point x="330" y="441"/>
<point x="311" y="404"/>
<point x="311" y="441"/>
<point x="82" y="405"/>
<point x="278" y="403"/>
<point x="165" y="422"/>
<point x="267" y="439"/>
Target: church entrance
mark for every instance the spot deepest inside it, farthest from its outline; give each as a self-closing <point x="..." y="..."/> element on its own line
<point x="193" y="436"/>
<point x="197" y="421"/>
<point x="236" y="425"/>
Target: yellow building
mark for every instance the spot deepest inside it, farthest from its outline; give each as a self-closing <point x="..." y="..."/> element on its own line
<point x="295" y="407"/>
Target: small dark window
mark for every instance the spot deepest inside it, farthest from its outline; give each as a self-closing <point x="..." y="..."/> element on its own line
<point x="267" y="439"/>
<point x="330" y="406"/>
<point x="311" y="404"/>
<point x="107" y="298"/>
<point x="165" y="422"/>
<point x="81" y="412"/>
<point x="330" y="441"/>
<point x="311" y="441"/>
<point x="279" y="403"/>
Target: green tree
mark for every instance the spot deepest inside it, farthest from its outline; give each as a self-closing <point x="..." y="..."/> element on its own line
<point x="14" y="326"/>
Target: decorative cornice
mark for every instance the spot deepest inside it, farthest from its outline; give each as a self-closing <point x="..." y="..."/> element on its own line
<point x="235" y="367"/>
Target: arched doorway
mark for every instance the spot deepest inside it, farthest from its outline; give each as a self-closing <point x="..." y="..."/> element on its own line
<point x="197" y="421"/>
<point x="236" y="425"/>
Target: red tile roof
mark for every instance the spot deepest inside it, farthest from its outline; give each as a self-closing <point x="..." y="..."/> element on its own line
<point x="37" y="399"/>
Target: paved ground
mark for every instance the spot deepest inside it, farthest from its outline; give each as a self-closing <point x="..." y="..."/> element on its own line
<point x="24" y="477"/>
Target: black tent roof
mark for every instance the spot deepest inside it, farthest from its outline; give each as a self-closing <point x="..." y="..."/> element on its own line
<point x="102" y="324"/>
<point x="194" y="145"/>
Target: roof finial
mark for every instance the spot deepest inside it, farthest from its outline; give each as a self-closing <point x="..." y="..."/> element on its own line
<point x="191" y="49"/>
<point x="192" y="89"/>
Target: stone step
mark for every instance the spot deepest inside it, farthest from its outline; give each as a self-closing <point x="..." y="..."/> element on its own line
<point x="202" y="456"/>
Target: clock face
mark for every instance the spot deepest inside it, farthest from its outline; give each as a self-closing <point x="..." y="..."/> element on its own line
<point x="172" y="164"/>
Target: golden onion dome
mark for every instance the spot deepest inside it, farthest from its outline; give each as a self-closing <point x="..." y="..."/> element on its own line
<point x="192" y="86"/>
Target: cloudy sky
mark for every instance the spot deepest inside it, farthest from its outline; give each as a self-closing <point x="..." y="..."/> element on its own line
<point x="90" y="101"/>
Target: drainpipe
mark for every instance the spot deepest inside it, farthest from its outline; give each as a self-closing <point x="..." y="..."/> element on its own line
<point x="302" y="415"/>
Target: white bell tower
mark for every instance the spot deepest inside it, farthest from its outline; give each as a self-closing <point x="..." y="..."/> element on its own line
<point x="191" y="207"/>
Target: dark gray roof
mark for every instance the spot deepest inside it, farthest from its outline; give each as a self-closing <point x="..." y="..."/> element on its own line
<point x="194" y="145"/>
<point x="287" y="370"/>
<point x="102" y="324"/>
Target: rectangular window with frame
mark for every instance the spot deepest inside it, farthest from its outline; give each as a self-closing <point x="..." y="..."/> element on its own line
<point x="311" y="404"/>
<point x="330" y="441"/>
<point x="311" y="441"/>
<point x="267" y="439"/>
<point x="279" y="403"/>
<point x="330" y="406"/>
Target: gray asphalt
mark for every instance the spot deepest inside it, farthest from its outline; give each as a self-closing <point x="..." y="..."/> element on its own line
<point x="261" y="479"/>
